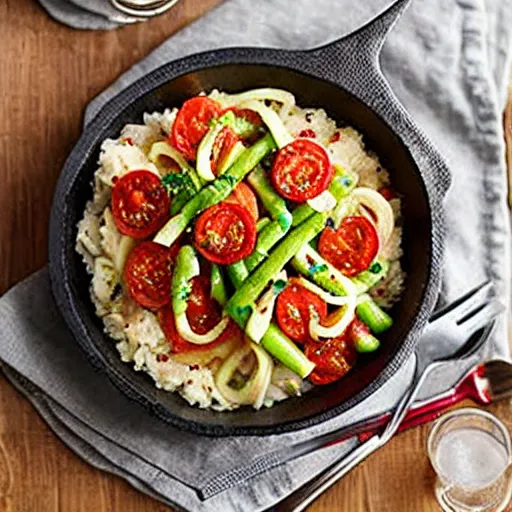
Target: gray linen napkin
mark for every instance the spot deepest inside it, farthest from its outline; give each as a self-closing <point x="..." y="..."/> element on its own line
<point x="446" y="61"/>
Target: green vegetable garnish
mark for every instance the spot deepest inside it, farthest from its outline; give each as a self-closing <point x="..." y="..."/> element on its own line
<point x="375" y="268"/>
<point x="241" y="126"/>
<point x="216" y="191"/>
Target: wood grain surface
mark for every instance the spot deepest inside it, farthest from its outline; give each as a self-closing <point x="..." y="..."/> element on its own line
<point x="48" y="73"/>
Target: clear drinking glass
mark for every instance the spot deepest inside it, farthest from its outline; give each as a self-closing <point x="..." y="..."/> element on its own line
<point x="470" y="452"/>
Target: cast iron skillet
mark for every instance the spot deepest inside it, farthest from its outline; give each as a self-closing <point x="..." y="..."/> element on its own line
<point x="345" y="79"/>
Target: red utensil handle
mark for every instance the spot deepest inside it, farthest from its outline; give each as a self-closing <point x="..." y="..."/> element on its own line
<point x="417" y="416"/>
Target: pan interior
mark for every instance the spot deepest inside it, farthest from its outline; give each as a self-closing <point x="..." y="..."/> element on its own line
<point x="340" y="106"/>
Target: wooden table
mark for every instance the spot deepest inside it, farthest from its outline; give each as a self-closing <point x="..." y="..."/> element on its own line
<point x="48" y="73"/>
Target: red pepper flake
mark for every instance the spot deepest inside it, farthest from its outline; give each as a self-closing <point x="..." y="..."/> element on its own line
<point x="162" y="358"/>
<point x="336" y="137"/>
<point x="128" y="140"/>
<point x="308" y="133"/>
<point x="189" y="381"/>
<point x="193" y="367"/>
<point x="387" y="193"/>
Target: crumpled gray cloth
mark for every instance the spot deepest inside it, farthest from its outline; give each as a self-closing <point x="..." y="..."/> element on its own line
<point x="446" y="60"/>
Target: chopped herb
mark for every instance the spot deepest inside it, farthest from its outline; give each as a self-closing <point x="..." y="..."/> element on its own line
<point x="279" y="286"/>
<point x="317" y="268"/>
<point x="244" y="312"/>
<point x="175" y="182"/>
<point x="185" y="291"/>
<point x="375" y="268"/>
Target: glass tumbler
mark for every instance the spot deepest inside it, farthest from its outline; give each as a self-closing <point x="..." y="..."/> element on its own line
<point x="470" y="452"/>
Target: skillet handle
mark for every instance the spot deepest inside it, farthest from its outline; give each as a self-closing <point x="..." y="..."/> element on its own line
<point x="366" y="41"/>
<point x="353" y="62"/>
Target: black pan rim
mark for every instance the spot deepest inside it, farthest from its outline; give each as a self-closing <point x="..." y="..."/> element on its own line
<point x="62" y="288"/>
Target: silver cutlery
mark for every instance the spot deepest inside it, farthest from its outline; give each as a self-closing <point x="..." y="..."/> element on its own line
<point x="458" y="322"/>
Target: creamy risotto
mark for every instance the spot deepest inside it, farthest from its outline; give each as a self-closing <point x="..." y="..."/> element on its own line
<point x="242" y="248"/>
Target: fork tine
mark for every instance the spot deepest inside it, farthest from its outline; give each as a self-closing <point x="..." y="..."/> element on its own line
<point x="462" y="306"/>
<point x="482" y="317"/>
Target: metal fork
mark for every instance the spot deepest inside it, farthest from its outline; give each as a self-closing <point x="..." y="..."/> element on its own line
<point x="457" y="322"/>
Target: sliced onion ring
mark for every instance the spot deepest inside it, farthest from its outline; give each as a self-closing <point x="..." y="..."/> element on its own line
<point x="272" y="120"/>
<point x="372" y="200"/>
<point x="287" y="99"/>
<point x="346" y="313"/>
<point x="336" y="300"/>
<point x="256" y="387"/>
<point x="186" y="332"/>
<point x="262" y="315"/>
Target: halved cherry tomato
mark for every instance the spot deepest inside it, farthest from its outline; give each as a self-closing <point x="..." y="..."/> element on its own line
<point x="148" y="275"/>
<point x="192" y="123"/>
<point x="301" y="170"/>
<point x="334" y="358"/>
<point x="244" y="196"/>
<point x="140" y="204"/>
<point x="225" y="233"/>
<point x="203" y="314"/>
<point x="222" y="147"/>
<point x="352" y="247"/>
<point x="294" y="308"/>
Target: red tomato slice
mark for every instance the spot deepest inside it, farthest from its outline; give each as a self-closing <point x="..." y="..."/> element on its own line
<point x="222" y="147"/>
<point x="203" y="314"/>
<point x="244" y="196"/>
<point x="301" y="170"/>
<point x="334" y="358"/>
<point x="293" y="309"/>
<point x="225" y="233"/>
<point x="140" y="204"/>
<point x="352" y="247"/>
<point x="192" y="123"/>
<point x="148" y="275"/>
